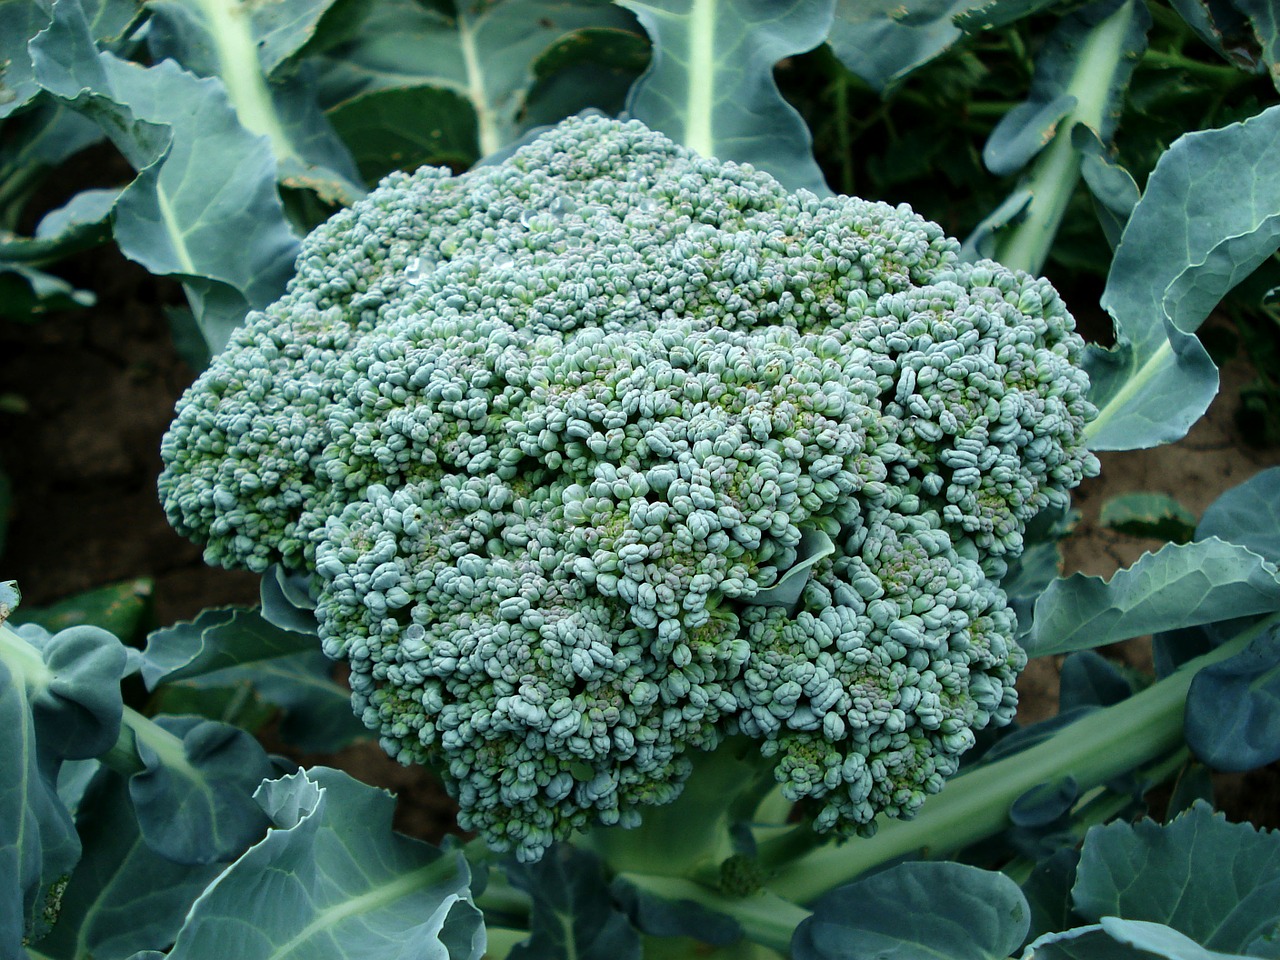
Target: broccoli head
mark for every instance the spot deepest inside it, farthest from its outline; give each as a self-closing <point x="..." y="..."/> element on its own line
<point x="551" y="437"/>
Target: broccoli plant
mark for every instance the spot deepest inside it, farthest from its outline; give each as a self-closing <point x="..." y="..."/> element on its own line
<point x="607" y="452"/>
<point x="692" y="523"/>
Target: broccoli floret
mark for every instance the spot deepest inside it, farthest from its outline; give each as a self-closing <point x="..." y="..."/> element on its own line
<point x="545" y="432"/>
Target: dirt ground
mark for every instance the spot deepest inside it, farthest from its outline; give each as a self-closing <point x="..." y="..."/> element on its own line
<point x="85" y="398"/>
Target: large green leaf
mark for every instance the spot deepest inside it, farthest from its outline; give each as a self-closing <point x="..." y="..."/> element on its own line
<point x="123" y="896"/>
<point x="202" y="177"/>
<point x="316" y="709"/>
<point x="1248" y="514"/>
<point x="710" y="83"/>
<point x="483" y="52"/>
<point x="402" y="129"/>
<point x="59" y="700"/>
<point x="217" y="39"/>
<point x="1213" y="881"/>
<point x="916" y="911"/>
<point x="1246" y="33"/>
<point x="1117" y="939"/>
<point x="1233" y="708"/>
<point x="332" y="881"/>
<point x="885" y="40"/>
<point x="1182" y="585"/>
<point x="218" y="638"/>
<point x="1209" y="216"/>
<point x="194" y="796"/>
<point x="20" y="20"/>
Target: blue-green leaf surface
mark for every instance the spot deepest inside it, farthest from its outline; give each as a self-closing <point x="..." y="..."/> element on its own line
<point x="202" y="177"/>
<point x="1233" y="708"/>
<point x="317" y="709"/>
<point x="59" y="700"/>
<point x="1045" y="803"/>
<point x="814" y="546"/>
<point x="1117" y="939"/>
<point x="882" y="41"/>
<point x="993" y="14"/>
<point x="1182" y="585"/>
<point x="218" y="40"/>
<point x="404" y="128"/>
<point x="1264" y="18"/>
<point x="1160" y="940"/>
<point x="1115" y="193"/>
<point x="1078" y="65"/>
<point x="573" y="914"/>
<point x="710" y="83"/>
<point x="1090" y="680"/>
<point x="1209" y="216"/>
<point x="194" y="799"/>
<point x="331" y="881"/>
<point x="20" y="20"/>
<point x="77" y="225"/>
<point x="1216" y="882"/>
<point x="1048" y="892"/>
<point x="218" y="638"/>
<point x="286" y="602"/>
<point x="1248" y="514"/>
<point x="123" y="896"/>
<point x="917" y="911"/>
<point x="484" y="52"/>
<point x="660" y="917"/>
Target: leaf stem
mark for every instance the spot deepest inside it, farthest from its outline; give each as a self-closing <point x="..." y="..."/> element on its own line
<point x="1056" y="170"/>
<point x="691" y="835"/>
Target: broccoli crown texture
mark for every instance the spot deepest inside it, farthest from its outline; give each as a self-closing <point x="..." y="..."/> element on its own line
<point x="548" y="432"/>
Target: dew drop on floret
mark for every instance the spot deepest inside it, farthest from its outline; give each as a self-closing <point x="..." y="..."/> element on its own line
<point x="544" y="431"/>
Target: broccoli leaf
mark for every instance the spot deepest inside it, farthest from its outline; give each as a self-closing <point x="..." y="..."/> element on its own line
<point x="217" y="639"/>
<point x="884" y="41"/>
<point x="1213" y="881"/>
<point x="483" y="53"/>
<point x="710" y="83"/>
<point x="1233" y="708"/>
<point x="332" y="881"/>
<point x="1209" y="216"/>
<point x="1247" y="514"/>
<point x="123" y="896"/>
<point x="59" y="700"/>
<point x="573" y="914"/>
<point x="194" y="800"/>
<point x="1179" y="586"/>
<point x="918" y="910"/>
<point x="1117" y="939"/>
<point x="19" y="21"/>
<point x="200" y="174"/>
<point x="212" y="40"/>
<point x="1155" y="515"/>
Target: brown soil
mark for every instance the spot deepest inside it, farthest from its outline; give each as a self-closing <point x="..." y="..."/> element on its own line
<point x="94" y="391"/>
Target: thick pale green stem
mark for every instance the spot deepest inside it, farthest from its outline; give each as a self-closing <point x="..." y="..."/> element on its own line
<point x="1056" y="171"/>
<point x="975" y="805"/>
<point x="486" y="117"/>
<point x="241" y="72"/>
<point x="691" y="835"/>
<point x="698" y="133"/>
